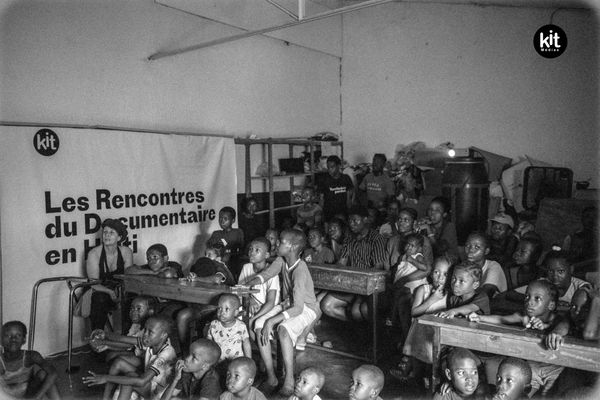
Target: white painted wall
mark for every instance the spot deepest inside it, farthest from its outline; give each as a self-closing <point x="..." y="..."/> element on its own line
<point x="85" y="62"/>
<point x="470" y="75"/>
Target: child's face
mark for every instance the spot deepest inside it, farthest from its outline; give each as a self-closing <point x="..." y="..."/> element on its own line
<point x="463" y="283"/>
<point x="225" y="220"/>
<point x="307" y="195"/>
<point x="307" y="385"/>
<point x="257" y="252"/>
<point x="285" y="246"/>
<point x="523" y="254"/>
<point x="13" y="338"/>
<point x="499" y="231"/>
<point x="251" y="207"/>
<point x="315" y="239"/>
<point x="440" y="273"/>
<point x="436" y="212"/>
<point x="392" y="212"/>
<point x="196" y="359"/>
<point x="333" y="169"/>
<point x="510" y="384"/>
<point x="559" y="272"/>
<point x="362" y="387"/>
<point x="227" y="310"/>
<point x="139" y="310"/>
<point x="378" y="164"/>
<point x="405" y="222"/>
<point x="537" y="301"/>
<point x="212" y="254"/>
<point x="335" y="232"/>
<point x="154" y="333"/>
<point x="476" y="249"/>
<point x="463" y="375"/>
<point x="238" y="377"/>
<point x="412" y="247"/>
<point x="156" y="260"/>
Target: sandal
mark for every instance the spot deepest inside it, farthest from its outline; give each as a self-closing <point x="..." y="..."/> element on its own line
<point x="403" y="370"/>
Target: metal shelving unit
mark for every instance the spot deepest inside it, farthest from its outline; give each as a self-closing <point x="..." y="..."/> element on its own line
<point x="310" y="145"/>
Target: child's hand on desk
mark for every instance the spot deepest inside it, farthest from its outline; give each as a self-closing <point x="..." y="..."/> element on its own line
<point x="191" y="276"/>
<point x="554" y="341"/>
<point x="474" y="317"/>
<point x="536" y="323"/>
<point x="446" y="314"/>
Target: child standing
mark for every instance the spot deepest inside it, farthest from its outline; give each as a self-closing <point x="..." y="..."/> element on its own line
<point x="367" y="383"/>
<point x="17" y="374"/>
<point x="228" y="331"/>
<point x="269" y="292"/>
<point x="309" y="384"/>
<point x="477" y="247"/>
<point x="158" y="357"/>
<point x="251" y="224"/>
<point x="232" y="238"/>
<point x="462" y="374"/>
<point x="318" y="253"/>
<point x="378" y="186"/>
<point x="240" y="376"/>
<point x="195" y="376"/>
<point x="336" y="188"/>
<point x="309" y="213"/>
<point x="513" y="379"/>
<point x="539" y="313"/>
<point x="297" y="311"/>
<point x="464" y="299"/>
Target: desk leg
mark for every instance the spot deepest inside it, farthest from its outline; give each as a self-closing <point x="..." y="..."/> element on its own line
<point x="374" y="324"/>
<point x="435" y="377"/>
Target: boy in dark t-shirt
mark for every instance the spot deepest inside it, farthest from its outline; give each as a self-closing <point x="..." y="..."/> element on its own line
<point x="336" y="189"/>
<point x="195" y="376"/>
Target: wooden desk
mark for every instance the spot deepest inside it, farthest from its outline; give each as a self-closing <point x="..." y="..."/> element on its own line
<point x="508" y="341"/>
<point x="364" y="282"/>
<point x="175" y="289"/>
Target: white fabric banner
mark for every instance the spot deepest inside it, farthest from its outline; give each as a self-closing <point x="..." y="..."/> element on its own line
<point x="58" y="184"/>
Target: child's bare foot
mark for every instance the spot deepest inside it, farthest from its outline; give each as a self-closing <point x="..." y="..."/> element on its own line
<point x="287" y="389"/>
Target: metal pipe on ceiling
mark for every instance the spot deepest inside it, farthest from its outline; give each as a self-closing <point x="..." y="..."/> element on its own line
<point x="315" y="17"/>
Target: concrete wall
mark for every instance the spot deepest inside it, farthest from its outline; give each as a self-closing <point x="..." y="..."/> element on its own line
<point x="470" y="75"/>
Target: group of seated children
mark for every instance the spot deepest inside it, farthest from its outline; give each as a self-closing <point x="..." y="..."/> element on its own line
<point x="427" y="277"/>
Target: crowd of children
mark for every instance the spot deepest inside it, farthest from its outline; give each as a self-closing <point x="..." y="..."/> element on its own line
<point x="429" y="274"/>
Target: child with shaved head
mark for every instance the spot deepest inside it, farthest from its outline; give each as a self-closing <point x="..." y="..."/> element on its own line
<point x="240" y="376"/>
<point x="462" y="373"/>
<point x="195" y="376"/>
<point x="513" y="379"/>
<point x="309" y="383"/>
<point x="367" y="383"/>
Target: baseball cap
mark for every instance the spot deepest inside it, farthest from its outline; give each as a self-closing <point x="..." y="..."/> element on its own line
<point x="502" y="218"/>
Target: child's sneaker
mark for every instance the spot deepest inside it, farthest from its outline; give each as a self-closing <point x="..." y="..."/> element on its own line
<point x="311" y="338"/>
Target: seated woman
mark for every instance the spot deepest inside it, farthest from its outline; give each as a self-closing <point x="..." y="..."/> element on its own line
<point x="103" y="262"/>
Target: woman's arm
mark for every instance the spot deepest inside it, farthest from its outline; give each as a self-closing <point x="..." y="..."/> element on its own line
<point x="127" y="256"/>
<point x="92" y="265"/>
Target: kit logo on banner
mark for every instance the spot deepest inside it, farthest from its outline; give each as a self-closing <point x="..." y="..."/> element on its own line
<point x="550" y="41"/>
<point x="45" y="142"/>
